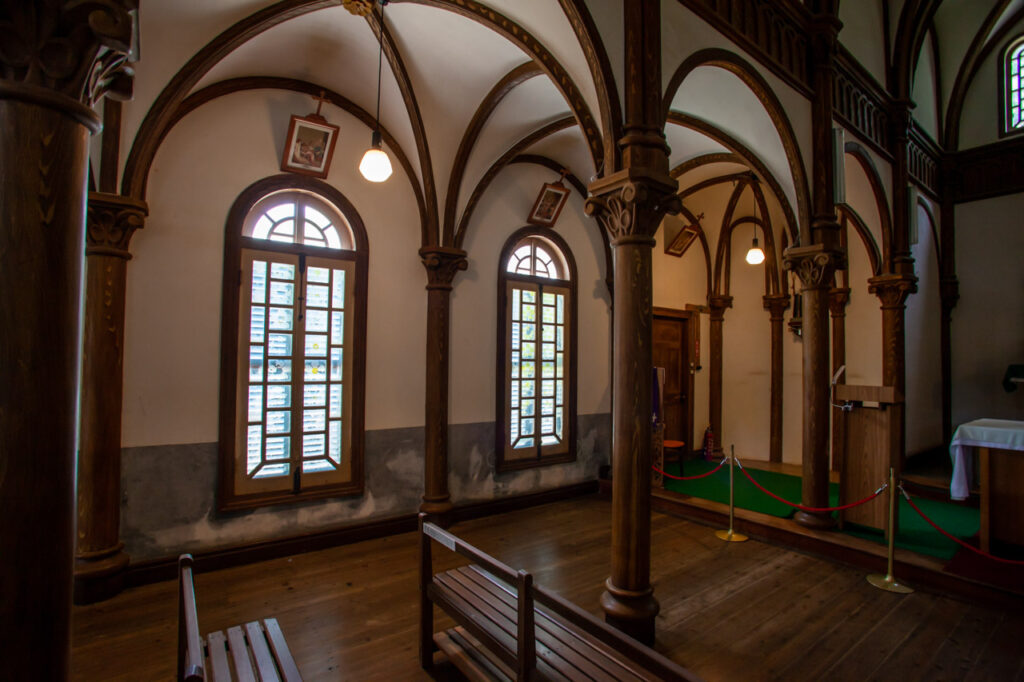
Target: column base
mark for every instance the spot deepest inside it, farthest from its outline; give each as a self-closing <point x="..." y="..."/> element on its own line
<point x="99" y="576"/>
<point x="438" y="510"/>
<point x="815" y="521"/>
<point x="630" y="612"/>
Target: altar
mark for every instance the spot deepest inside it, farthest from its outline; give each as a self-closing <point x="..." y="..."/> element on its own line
<point x="1000" y="446"/>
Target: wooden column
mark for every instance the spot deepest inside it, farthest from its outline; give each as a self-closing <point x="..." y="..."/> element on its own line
<point x="56" y="61"/>
<point x="44" y="140"/>
<point x="100" y="559"/>
<point x="815" y="261"/>
<point x="892" y="291"/>
<point x="815" y="266"/>
<point x="717" y="306"/>
<point x="442" y="263"/>
<point x="630" y="203"/>
<point x="838" y="299"/>
<point x="899" y="134"/>
<point x="776" y="305"/>
<point x="824" y="34"/>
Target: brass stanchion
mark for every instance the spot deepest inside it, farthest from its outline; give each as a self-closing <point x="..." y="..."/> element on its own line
<point x="887" y="582"/>
<point x="729" y="535"/>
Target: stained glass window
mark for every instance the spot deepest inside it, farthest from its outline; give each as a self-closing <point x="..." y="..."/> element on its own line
<point x="538" y="296"/>
<point x="1014" y="69"/>
<point x="298" y="275"/>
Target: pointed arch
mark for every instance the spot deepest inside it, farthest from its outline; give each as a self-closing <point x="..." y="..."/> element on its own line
<point x="751" y="160"/>
<point x="861" y="155"/>
<point x="773" y="107"/>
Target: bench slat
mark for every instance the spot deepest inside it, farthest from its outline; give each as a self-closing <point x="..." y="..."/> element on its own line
<point x="487" y="657"/>
<point x="285" y="662"/>
<point x="240" y="655"/>
<point x="265" y="665"/>
<point x="217" y="651"/>
<point x="504" y="623"/>
<point x="467" y="658"/>
<point x="464" y="614"/>
<point x="596" y="663"/>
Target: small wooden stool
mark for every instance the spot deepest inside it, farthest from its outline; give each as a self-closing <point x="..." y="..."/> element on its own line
<point x="673" y="450"/>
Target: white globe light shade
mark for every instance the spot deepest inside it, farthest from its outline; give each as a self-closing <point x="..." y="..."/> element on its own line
<point x="375" y="166"/>
<point x="755" y="256"/>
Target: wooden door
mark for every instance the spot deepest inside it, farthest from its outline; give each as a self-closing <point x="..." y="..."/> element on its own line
<point x="671" y="340"/>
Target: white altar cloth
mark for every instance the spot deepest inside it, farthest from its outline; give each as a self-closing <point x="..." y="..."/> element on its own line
<point x="1002" y="434"/>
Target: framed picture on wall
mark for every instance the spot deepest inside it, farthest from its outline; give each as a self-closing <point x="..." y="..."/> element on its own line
<point x="309" y="146"/>
<point x="548" y="205"/>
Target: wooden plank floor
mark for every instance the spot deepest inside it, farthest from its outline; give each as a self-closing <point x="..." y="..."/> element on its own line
<point x="746" y="611"/>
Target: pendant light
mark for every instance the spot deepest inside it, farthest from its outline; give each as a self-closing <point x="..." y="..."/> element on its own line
<point x="376" y="166"/>
<point x="755" y="256"/>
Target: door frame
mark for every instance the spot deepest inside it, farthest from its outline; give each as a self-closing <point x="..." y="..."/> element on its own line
<point x="692" y="318"/>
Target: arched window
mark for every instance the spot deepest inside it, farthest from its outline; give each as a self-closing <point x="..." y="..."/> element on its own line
<point x="1013" y="69"/>
<point x="292" y="345"/>
<point x="536" y="402"/>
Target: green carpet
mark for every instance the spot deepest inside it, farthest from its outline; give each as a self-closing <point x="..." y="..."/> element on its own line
<point x="916" y="535"/>
<point x="914" y="532"/>
<point x="716" y="487"/>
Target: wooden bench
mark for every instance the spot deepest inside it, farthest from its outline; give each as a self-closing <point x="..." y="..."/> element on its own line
<point x="256" y="651"/>
<point x="507" y="628"/>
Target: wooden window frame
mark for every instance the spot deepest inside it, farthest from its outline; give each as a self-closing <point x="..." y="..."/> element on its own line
<point x="234" y="243"/>
<point x="502" y="388"/>
<point x="1005" y="129"/>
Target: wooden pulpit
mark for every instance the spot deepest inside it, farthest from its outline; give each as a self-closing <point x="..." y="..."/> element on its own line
<point x="871" y="444"/>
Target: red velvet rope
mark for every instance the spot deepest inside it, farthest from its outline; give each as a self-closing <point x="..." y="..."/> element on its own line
<point x="954" y="538"/>
<point x="810" y="509"/>
<point x="689" y="478"/>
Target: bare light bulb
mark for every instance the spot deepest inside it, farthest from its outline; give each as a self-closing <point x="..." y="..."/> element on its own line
<point x="375" y="166"/>
<point x="755" y="256"/>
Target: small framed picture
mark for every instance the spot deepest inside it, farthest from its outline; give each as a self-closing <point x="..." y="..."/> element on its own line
<point x="548" y="205"/>
<point x="309" y="146"/>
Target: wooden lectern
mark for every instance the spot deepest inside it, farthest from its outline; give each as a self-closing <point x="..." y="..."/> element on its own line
<point x="871" y="444"/>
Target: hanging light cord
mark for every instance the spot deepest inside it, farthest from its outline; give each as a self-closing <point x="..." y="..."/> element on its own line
<point x="380" y="64"/>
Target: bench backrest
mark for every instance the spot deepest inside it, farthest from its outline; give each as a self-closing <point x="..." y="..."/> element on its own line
<point x="190" y="645"/>
<point x="527" y="594"/>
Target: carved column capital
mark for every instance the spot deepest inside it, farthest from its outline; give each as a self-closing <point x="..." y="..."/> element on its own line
<point x="893" y="289"/>
<point x="838" y="299"/>
<point x="111" y="220"/>
<point x="442" y="264"/>
<point x="815" y="265"/>
<point x="899" y="119"/>
<point x="949" y="293"/>
<point x="776" y="305"/>
<point x="631" y="204"/>
<point x="717" y="304"/>
<point x="78" y="49"/>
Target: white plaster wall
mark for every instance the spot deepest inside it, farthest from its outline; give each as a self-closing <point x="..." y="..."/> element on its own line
<point x="863" y="34"/>
<point x="746" y="357"/>
<point x="922" y="324"/>
<point x="474" y="325"/>
<point x="172" y="335"/>
<point x="988" y="321"/>
<point x="863" y="314"/>
<point x="923" y="92"/>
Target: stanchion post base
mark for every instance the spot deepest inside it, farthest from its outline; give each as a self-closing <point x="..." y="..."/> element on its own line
<point x="889" y="584"/>
<point x="730" y="536"/>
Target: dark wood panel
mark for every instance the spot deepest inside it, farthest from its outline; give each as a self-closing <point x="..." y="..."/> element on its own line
<point x="671" y="350"/>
